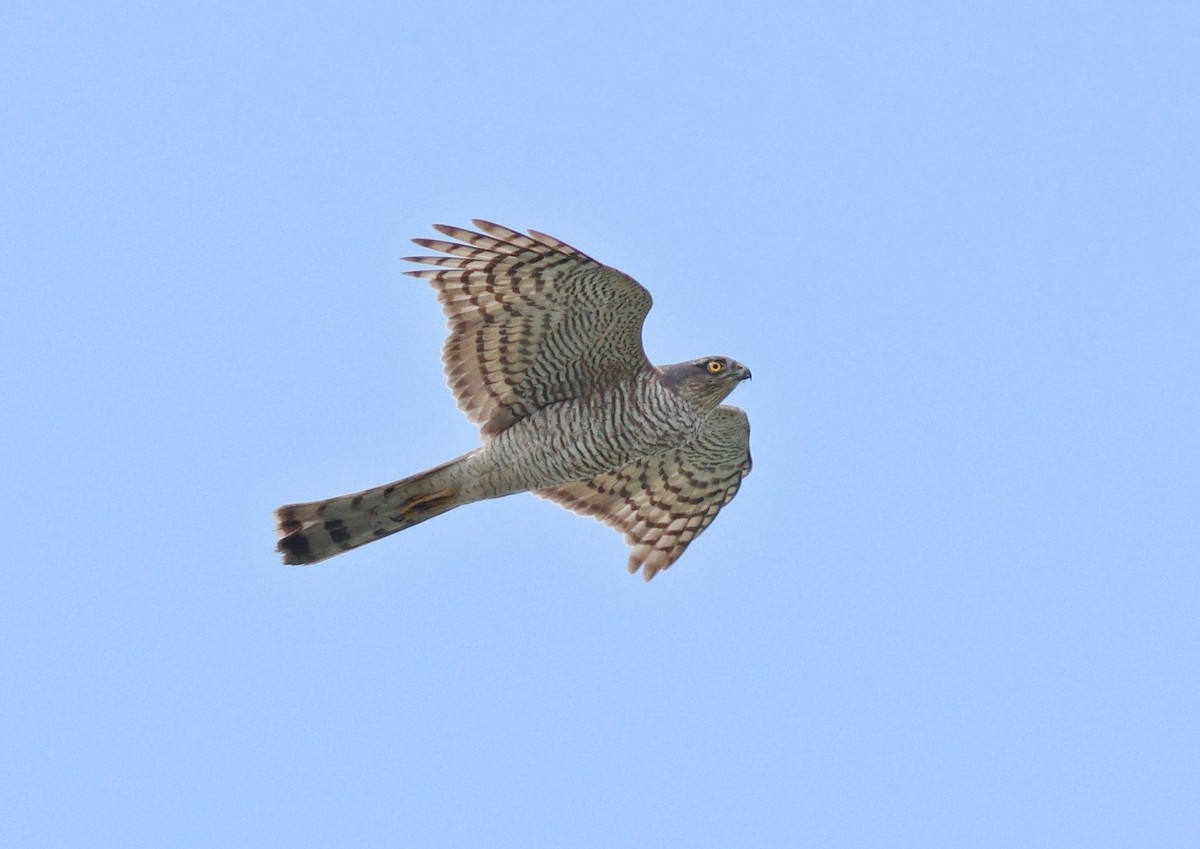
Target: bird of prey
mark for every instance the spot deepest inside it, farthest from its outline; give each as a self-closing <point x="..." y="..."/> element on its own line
<point x="545" y="355"/>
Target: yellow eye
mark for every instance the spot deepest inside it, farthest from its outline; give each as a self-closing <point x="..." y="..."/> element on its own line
<point x="715" y="366"/>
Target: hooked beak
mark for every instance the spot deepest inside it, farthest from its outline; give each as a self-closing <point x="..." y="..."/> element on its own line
<point x="745" y="374"/>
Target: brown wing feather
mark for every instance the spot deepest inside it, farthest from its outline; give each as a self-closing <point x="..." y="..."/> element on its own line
<point x="662" y="502"/>
<point x="532" y="321"/>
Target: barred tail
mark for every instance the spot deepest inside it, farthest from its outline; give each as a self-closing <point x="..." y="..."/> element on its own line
<point x="317" y="530"/>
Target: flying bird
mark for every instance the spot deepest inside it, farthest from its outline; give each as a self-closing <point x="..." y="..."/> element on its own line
<point x="545" y="355"/>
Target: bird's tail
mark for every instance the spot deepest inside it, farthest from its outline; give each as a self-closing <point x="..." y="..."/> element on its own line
<point x="317" y="530"/>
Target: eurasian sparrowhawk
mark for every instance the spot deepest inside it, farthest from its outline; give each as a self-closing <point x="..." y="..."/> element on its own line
<point x="545" y="355"/>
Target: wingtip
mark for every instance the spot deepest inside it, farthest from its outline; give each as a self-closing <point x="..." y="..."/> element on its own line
<point x="642" y="564"/>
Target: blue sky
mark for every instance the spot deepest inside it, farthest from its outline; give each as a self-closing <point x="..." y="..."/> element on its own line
<point x="955" y="604"/>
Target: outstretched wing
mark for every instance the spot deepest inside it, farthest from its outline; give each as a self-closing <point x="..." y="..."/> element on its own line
<point x="532" y="321"/>
<point x="662" y="502"/>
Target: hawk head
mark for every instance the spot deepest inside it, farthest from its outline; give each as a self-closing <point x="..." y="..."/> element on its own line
<point x="706" y="381"/>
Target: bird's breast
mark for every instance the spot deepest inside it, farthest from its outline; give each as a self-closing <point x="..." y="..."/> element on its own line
<point x="580" y="438"/>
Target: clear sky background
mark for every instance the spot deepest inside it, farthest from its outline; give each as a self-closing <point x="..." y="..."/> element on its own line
<point x="956" y="604"/>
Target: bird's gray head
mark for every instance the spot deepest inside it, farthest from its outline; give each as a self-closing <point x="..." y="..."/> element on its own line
<point x="705" y="382"/>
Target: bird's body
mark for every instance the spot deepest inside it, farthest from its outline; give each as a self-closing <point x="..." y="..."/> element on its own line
<point x="635" y="418"/>
<point x="545" y="354"/>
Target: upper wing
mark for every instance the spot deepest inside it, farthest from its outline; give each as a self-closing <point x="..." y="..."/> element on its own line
<point x="532" y="321"/>
<point x="662" y="502"/>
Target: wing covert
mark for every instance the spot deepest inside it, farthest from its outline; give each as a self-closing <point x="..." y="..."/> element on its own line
<point x="662" y="502"/>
